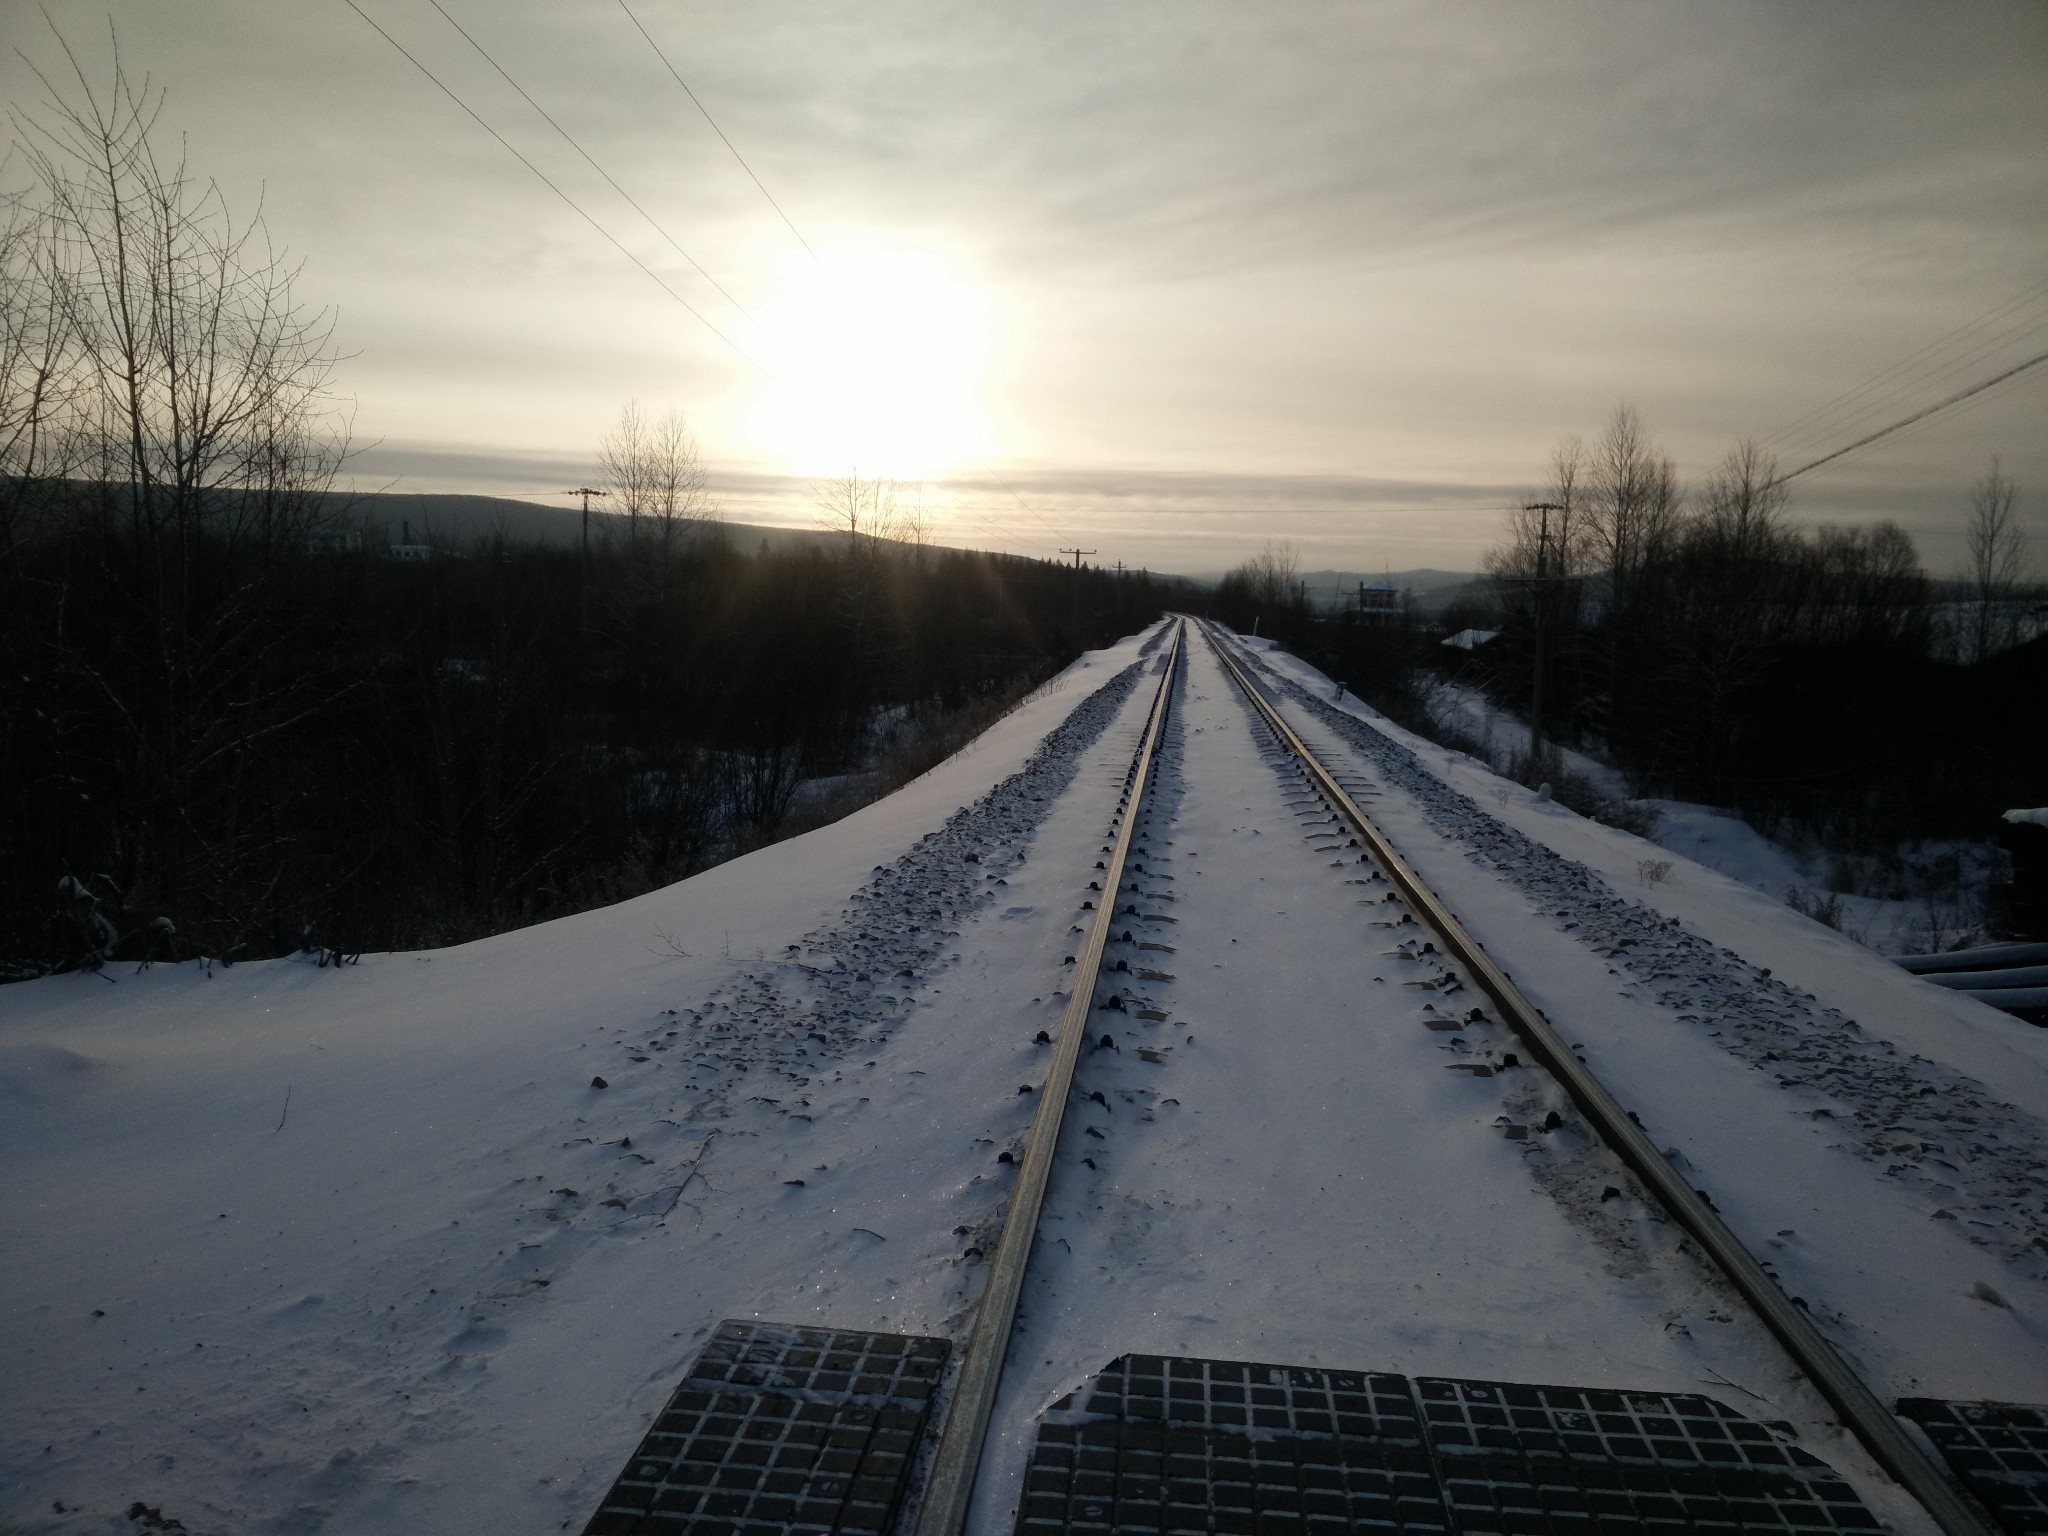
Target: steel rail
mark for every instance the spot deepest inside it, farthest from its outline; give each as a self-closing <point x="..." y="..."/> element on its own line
<point x="950" y="1485"/>
<point x="1861" y="1410"/>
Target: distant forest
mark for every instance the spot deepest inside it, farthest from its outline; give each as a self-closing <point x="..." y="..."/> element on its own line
<point x="1716" y="653"/>
<point x="233" y="743"/>
<point x="230" y="727"/>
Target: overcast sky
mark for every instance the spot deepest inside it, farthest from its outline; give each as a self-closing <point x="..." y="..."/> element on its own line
<point x="1182" y="277"/>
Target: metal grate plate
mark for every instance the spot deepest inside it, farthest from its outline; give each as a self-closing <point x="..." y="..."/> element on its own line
<point x="1177" y="1447"/>
<point x="1999" y="1450"/>
<point x="1214" y="1445"/>
<point x="1531" y="1458"/>
<point x="780" y="1429"/>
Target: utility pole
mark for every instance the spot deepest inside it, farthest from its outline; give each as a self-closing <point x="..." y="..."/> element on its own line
<point x="583" y="558"/>
<point x="1077" y="554"/>
<point x="1537" y="605"/>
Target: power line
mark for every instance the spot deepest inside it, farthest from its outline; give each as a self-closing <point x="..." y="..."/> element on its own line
<point x="577" y="208"/>
<point x="1894" y="398"/>
<point x="782" y="213"/>
<point x="607" y="175"/>
<point x="550" y="185"/>
<point x="989" y="523"/>
<point x="1050" y="527"/>
<point x="1939" y="344"/>
<point x="1919" y="415"/>
<point x="800" y="240"/>
<point x="1889" y="380"/>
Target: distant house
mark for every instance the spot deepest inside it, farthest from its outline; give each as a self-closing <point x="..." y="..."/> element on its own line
<point x="333" y="541"/>
<point x="1378" y="597"/>
<point x="1472" y="639"/>
<point x="405" y="552"/>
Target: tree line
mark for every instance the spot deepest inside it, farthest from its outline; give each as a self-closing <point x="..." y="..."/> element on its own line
<point x="230" y="729"/>
<point x="1717" y="652"/>
<point x="328" y="750"/>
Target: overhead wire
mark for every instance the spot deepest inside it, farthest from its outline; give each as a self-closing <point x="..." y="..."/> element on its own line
<point x="591" y="160"/>
<point x="1001" y="532"/>
<point x="1920" y="415"/>
<point x="783" y="214"/>
<point x="651" y="43"/>
<point x="1893" y="399"/>
<point x="1891" y="384"/>
<point x="1804" y="423"/>
<point x="547" y="182"/>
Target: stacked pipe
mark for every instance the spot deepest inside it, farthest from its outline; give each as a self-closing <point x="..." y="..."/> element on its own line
<point x="2009" y="977"/>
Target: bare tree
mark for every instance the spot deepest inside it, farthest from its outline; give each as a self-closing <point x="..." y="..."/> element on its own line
<point x="157" y="339"/>
<point x="197" y="371"/>
<point x="656" y="476"/>
<point x="1554" y="536"/>
<point x="626" y="455"/>
<point x="1720" y="608"/>
<point x="1742" y="506"/>
<point x="679" y="497"/>
<point x="869" y="513"/>
<point x="866" y="510"/>
<point x="37" y="383"/>
<point x="1634" y="495"/>
<point x="914" y="523"/>
<point x="1862" y="587"/>
<point x="1274" y="574"/>
<point x="1998" y="555"/>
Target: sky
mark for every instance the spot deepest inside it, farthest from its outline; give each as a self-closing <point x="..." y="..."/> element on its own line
<point x="1161" y="282"/>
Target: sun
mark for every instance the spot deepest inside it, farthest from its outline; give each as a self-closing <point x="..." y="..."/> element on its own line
<point x="879" y="357"/>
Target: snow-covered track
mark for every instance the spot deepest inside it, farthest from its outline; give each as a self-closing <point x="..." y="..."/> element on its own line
<point x="1862" y="1411"/>
<point x="950" y="1485"/>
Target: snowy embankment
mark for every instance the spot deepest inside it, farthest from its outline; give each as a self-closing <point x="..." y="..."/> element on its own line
<point x="422" y="1243"/>
<point x="1883" y="1141"/>
<point x="293" y="1249"/>
<point x="1937" y="888"/>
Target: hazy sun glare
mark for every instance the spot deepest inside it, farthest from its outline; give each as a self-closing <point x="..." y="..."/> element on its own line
<point x="879" y="356"/>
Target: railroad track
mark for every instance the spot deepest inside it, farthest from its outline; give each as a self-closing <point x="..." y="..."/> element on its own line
<point x="1861" y="1410"/>
<point x="904" y="1376"/>
<point x="951" y="1484"/>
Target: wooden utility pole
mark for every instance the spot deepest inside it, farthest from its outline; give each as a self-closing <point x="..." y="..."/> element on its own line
<point x="1077" y="554"/>
<point x="1537" y="605"/>
<point x="583" y="558"/>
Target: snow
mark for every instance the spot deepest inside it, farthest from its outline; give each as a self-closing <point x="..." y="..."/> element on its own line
<point x="293" y="1249"/>
<point x="1723" y="842"/>
<point x="1472" y="639"/>
<point x="303" y="1249"/>
<point x="1503" y="736"/>
<point x="1947" y="879"/>
<point x="1822" y="1090"/>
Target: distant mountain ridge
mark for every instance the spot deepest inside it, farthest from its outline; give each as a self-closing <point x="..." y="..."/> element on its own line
<point x="457" y="522"/>
<point x="1431" y="589"/>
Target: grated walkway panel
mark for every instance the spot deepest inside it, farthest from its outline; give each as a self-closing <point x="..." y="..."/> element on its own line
<point x="1519" y="1458"/>
<point x="1999" y="1450"/>
<point x="1157" y="1446"/>
<point x="777" y="1429"/>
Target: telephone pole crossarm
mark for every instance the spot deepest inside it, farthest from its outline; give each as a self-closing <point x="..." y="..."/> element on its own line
<point x="583" y="557"/>
<point x="1077" y="554"/>
<point x="1541" y="579"/>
